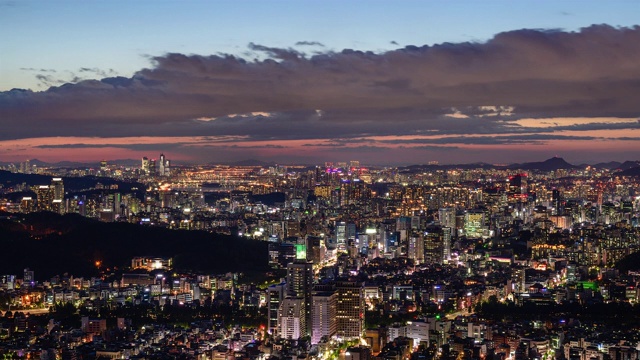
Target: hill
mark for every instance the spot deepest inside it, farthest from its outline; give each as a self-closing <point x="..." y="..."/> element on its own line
<point x="630" y="172"/>
<point x="71" y="184"/>
<point x="52" y="244"/>
<point x="555" y="163"/>
<point x="630" y="262"/>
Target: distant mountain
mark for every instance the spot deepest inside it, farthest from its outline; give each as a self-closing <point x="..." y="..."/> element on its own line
<point x="630" y="172"/>
<point x="76" y="164"/>
<point x="427" y="167"/>
<point x="71" y="184"/>
<point x="250" y="162"/>
<point x="555" y="163"/>
<point x="627" y="165"/>
<point x="605" y="165"/>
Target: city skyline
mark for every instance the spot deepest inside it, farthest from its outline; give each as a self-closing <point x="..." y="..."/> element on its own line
<point x="384" y="88"/>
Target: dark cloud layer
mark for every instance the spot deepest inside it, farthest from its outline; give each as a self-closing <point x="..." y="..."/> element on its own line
<point x="412" y="90"/>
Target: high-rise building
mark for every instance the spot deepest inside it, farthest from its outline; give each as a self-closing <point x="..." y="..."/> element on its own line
<point x="517" y="187"/>
<point x="275" y="295"/>
<point x="300" y="285"/>
<point x="350" y="309"/>
<point x="26" y="204"/>
<point x="437" y="245"/>
<point x="144" y="166"/>
<point x="291" y="318"/>
<point x="28" y="277"/>
<point x="323" y="314"/>
<point x="44" y="196"/>
<point x="447" y="217"/>
<point x="161" y="165"/>
<point x="58" y="188"/>
<point x="58" y="204"/>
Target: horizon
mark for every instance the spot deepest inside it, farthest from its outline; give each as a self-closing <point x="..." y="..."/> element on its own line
<point x="396" y="84"/>
<point x="254" y="163"/>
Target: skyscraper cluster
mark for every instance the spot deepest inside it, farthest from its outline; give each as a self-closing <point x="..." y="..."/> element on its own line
<point x="162" y="167"/>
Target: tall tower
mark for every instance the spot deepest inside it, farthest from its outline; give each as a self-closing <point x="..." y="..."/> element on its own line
<point x="44" y="195"/>
<point x="350" y="309"/>
<point x="300" y="285"/>
<point x="275" y="296"/>
<point x="291" y="318"/>
<point x="323" y="313"/>
<point x="58" y="204"/>
<point x="144" y="166"/>
<point x="58" y="188"/>
<point x="162" y="164"/>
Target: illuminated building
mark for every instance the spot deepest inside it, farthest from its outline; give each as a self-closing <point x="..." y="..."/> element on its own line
<point x="58" y="205"/>
<point x="291" y="318"/>
<point x="58" y="188"/>
<point x="162" y="164"/>
<point x="437" y="245"/>
<point x="44" y="196"/>
<point x="150" y="264"/>
<point x="275" y="295"/>
<point x="349" y="309"/>
<point x="517" y="187"/>
<point x="474" y="223"/>
<point x="323" y="315"/>
<point x="300" y="285"/>
<point x="26" y="204"/>
<point x="447" y="217"/>
<point x="144" y="166"/>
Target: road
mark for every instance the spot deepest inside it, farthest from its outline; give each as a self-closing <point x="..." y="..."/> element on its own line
<point x="31" y="311"/>
<point x="454" y="315"/>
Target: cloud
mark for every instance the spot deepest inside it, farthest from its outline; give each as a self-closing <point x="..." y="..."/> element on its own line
<point x="448" y="89"/>
<point x="38" y="70"/>
<point x="309" y="43"/>
<point x="97" y="71"/>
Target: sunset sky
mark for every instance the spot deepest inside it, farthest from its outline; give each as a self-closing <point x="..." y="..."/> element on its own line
<point x="383" y="82"/>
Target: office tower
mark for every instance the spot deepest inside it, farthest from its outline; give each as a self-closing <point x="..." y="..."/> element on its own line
<point x="474" y="223"/>
<point x="300" y="285"/>
<point x="275" y="295"/>
<point x="291" y="318"/>
<point x="517" y="187"/>
<point x="26" y="205"/>
<point x="437" y="245"/>
<point x="557" y="202"/>
<point x="349" y="309"/>
<point x="58" y="195"/>
<point x="415" y="249"/>
<point x="447" y="217"/>
<point x="314" y="249"/>
<point x="161" y="165"/>
<point x="341" y="236"/>
<point x="144" y="166"/>
<point x="103" y="165"/>
<point x="152" y="166"/>
<point x="323" y="314"/>
<point x="28" y="277"/>
<point x="44" y="196"/>
<point x="446" y="244"/>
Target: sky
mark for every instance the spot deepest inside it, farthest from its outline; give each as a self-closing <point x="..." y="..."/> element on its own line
<point x="382" y="82"/>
